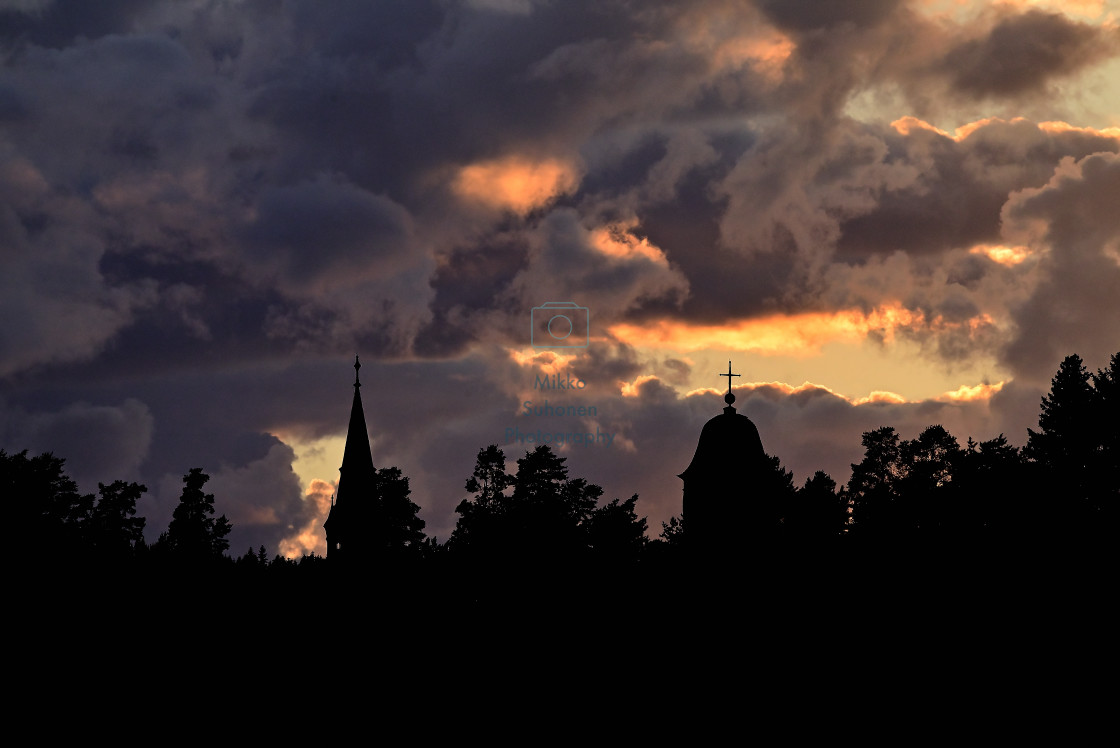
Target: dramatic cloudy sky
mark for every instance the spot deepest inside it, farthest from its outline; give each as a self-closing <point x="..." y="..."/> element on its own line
<point x="883" y="212"/>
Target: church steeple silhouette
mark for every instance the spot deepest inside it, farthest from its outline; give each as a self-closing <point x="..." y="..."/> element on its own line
<point x="726" y="473"/>
<point x="348" y="521"/>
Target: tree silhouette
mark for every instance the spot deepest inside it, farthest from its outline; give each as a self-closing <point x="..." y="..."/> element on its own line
<point x="547" y="507"/>
<point x="774" y="500"/>
<point x="115" y="530"/>
<point x="927" y="483"/>
<point x="254" y="560"/>
<point x="992" y="496"/>
<point x="1106" y="407"/>
<point x="1064" y="441"/>
<point x="194" y="534"/>
<point x="395" y="525"/>
<point x="48" y="510"/>
<point x="615" y="532"/>
<point x="817" y="512"/>
<point x="672" y="532"/>
<point x="547" y="518"/>
<point x="480" y="516"/>
<point x="1064" y="448"/>
<point x="875" y="482"/>
<point x="489" y="480"/>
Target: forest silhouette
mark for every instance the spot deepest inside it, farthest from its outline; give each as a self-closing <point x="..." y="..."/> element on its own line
<point x="922" y="513"/>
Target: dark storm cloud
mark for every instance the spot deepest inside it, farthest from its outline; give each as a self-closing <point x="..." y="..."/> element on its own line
<point x="451" y="87"/>
<point x="389" y="34"/>
<point x="53" y="304"/>
<point x="262" y="500"/>
<point x="149" y="97"/>
<point x="564" y="263"/>
<point x="464" y="280"/>
<point x="328" y="231"/>
<point x="1073" y="220"/>
<point x="13" y="106"/>
<point x="100" y="443"/>
<point x="57" y="23"/>
<point x="1025" y="52"/>
<point x="1002" y="55"/>
<point x="959" y="185"/>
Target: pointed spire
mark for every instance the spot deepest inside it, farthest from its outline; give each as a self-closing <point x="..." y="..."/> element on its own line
<point x="357" y="459"/>
<point x="353" y="501"/>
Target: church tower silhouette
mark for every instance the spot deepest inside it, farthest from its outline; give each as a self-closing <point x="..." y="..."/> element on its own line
<point x="723" y="482"/>
<point x="351" y="514"/>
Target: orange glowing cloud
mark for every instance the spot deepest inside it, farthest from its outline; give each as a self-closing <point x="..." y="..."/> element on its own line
<point x="516" y="183"/>
<point x="785" y="335"/>
<point x="780" y="390"/>
<point x="721" y="36"/>
<point x="966" y="393"/>
<point x="547" y="361"/>
<point x="767" y="54"/>
<point x="1002" y="254"/>
<point x="877" y="396"/>
<point x="703" y="391"/>
<point x="1058" y="127"/>
<point x="311" y="538"/>
<point x="617" y="241"/>
<point x="632" y="389"/>
<point x="908" y="125"/>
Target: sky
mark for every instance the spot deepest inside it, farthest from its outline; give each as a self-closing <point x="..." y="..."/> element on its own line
<point x="881" y="212"/>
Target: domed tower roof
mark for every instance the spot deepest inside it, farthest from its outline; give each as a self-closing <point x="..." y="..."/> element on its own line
<point x="727" y="441"/>
<point x="725" y="480"/>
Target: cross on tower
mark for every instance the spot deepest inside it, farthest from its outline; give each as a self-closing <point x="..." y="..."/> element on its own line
<point x="729" y="375"/>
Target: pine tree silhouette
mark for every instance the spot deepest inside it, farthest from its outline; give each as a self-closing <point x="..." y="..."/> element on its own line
<point x="194" y="534"/>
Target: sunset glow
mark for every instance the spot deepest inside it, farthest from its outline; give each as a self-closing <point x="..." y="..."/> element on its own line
<point x="630" y="389"/>
<point x="617" y="241"/>
<point x="765" y="53"/>
<point x="787" y="335"/>
<point x="310" y="538"/>
<point x="516" y="183"/>
<point x="908" y="125"/>
<point x="966" y="393"/>
<point x="547" y="361"/>
<point x="1004" y="255"/>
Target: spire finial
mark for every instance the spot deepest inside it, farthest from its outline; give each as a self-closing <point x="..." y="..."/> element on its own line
<point x="729" y="398"/>
<point x="358" y="365"/>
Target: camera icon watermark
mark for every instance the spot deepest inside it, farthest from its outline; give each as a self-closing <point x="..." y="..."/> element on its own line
<point x="559" y="324"/>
